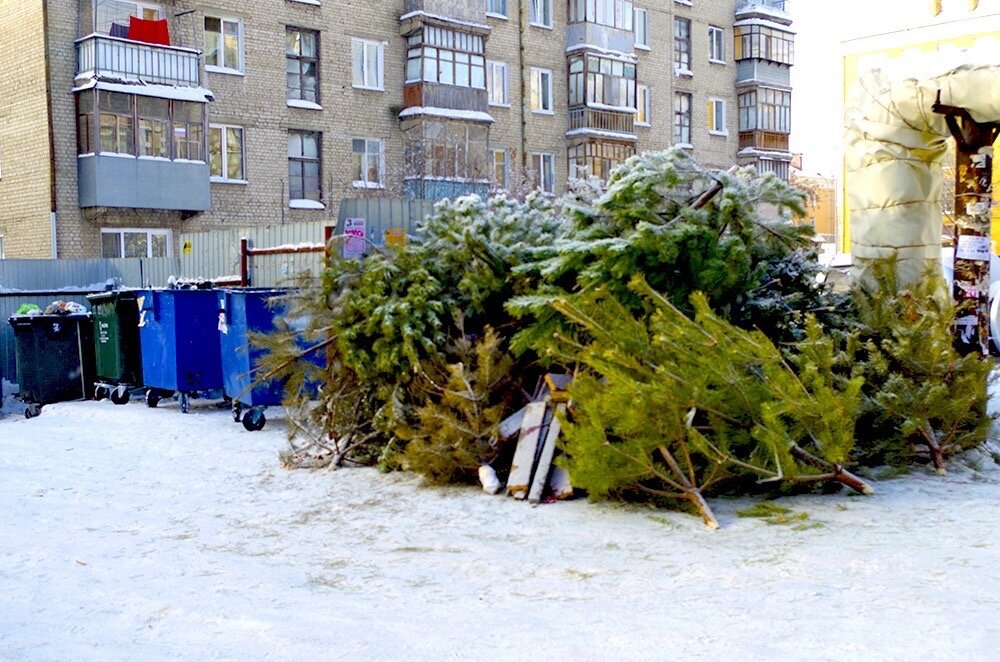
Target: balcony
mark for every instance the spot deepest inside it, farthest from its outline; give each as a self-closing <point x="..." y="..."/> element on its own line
<point x="437" y="95"/>
<point x="768" y="141"/>
<point x="100" y="56"/>
<point x="465" y="11"/>
<point x="592" y="119"/>
<point x="581" y="35"/>
<point x="770" y="9"/>
<point x="110" y="180"/>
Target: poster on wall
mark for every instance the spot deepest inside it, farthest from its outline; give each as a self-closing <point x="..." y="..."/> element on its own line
<point x="355" y="235"/>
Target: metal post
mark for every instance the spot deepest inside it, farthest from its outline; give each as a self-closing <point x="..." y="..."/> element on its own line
<point x="244" y="262"/>
<point x="973" y="202"/>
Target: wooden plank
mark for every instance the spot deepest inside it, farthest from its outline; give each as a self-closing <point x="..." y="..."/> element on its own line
<point x="559" y="484"/>
<point x="548" y="449"/>
<point x="558" y="385"/>
<point x="512" y="424"/>
<point x="524" y="454"/>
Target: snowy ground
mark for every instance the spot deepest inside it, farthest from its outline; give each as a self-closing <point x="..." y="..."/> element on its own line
<point x="127" y="532"/>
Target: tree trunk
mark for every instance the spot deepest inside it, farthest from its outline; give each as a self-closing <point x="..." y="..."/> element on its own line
<point x="835" y="472"/>
<point x="695" y="497"/>
<point x="937" y="453"/>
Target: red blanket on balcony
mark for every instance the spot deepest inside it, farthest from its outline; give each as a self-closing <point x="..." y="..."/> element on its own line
<point x="151" y="32"/>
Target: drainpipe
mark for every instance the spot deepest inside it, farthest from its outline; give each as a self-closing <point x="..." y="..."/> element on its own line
<point x="51" y="130"/>
<point x="522" y="17"/>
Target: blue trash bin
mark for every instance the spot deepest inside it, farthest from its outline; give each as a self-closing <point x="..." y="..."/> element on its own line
<point x="243" y="312"/>
<point x="178" y="331"/>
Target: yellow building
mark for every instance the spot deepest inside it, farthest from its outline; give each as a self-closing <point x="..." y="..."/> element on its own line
<point x="937" y="26"/>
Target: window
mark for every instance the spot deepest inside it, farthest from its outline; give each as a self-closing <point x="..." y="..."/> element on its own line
<point x="643" y="106"/>
<point x="496" y="7"/>
<point x="682" y="45"/>
<point x="500" y="169"/>
<point x="189" y="118"/>
<point x="641" y="28"/>
<point x="135" y="242"/>
<point x="446" y="149"/>
<point x="716" y="44"/>
<point x="303" y="167"/>
<point x="302" y="64"/>
<point x="595" y="80"/>
<point x="541" y="90"/>
<point x="225" y="153"/>
<point x="367" y="59"/>
<point x="154" y="117"/>
<point x="598" y="158"/>
<point x="449" y="57"/>
<point x="85" y="122"/>
<point x="496" y="83"/>
<point x="545" y="176"/>
<point x="120" y="11"/>
<point x="223" y="45"/>
<point x="116" y="123"/>
<point x="717" y="117"/>
<point x="612" y="13"/>
<point x="682" y="118"/>
<point x="368" y="162"/>
<point x="761" y="42"/>
<point x="541" y="13"/>
<point x="765" y="109"/>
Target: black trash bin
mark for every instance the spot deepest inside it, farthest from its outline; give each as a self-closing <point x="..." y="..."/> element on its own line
<point x="55" y="359"/>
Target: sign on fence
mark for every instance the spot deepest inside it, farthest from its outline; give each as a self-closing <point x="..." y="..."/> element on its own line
<point x="355" y="232"/>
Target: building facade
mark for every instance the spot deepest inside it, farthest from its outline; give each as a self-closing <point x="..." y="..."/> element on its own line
<point x="124" y="122"/>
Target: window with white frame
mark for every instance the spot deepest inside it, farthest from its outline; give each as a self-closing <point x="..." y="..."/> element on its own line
<point x="368" y="162"/>
<point x="717" y="117"/>
<point x="612" y="13"/>
<point x="136" y="242"/>
<point x="302" y="65"/>
<point x="367" y="58"/>
<point x="496" y="7"/>
<point x="541" y="13"/>
<point x="644" y="105"/>
<point x="496" y="83"/>
<point x="541" y="90"/>
<point x="682" y="45"/>
<point x="501" y="169"/>
<point x="682" y="118"/>
<point x="716" y="44"/>
<point x="225" y="153"/>
<point x="641" y="28"/>
<point x="223" y="44"/>
<point x="119" y="11"/>
<point x="449" y="57"/>
<point x="544" y="171"/>
<point x="304" y="175"/>
<point x="601" y="80"/>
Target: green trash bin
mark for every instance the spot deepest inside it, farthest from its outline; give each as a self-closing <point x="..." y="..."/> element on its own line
<point x="55" y="359"/>
<point x="117" y="352"/>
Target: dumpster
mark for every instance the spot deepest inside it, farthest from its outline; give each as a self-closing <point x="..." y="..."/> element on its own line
<point x="55" y="359"/>
<point x="180" y="344"/>
<point x="243" y="312"/>
<point x="117" y="354"/>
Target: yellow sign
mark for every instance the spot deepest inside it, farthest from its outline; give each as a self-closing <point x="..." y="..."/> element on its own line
<point x="395" y="237"/>
<point x="187" y="248"/>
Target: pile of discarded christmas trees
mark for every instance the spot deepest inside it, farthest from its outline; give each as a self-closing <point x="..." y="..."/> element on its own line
<point x="667" y="338"/>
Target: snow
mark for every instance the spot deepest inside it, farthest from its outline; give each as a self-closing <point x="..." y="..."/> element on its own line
<point x="447" y="113"/>
<point x="150" y="534"/>
<point x="198" y="94"/>
<point x="445" y="19"/>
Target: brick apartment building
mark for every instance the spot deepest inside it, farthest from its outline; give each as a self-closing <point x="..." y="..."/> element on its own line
<point x="116" y="133"/>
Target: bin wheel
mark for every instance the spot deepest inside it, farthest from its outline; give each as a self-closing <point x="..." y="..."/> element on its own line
<point x="120" y="397"/>
<point x="31" y="411"/>
<point x="152" y="398"/>
<point x="254" y="420"/>
<point x="185" y="403"/>
<point x="100" y="393"/>
<point x="237" y="411"/>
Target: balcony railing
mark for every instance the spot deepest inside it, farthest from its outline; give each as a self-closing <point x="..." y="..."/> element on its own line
<point x="601" y="120"/>
<point x="111" y="57"/>
<point x="764" y="140"/>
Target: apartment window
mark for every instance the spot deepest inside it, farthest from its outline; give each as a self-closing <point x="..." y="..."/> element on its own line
<point x="189" y="120"/>
<point x="716" y="44"/>
<point x="613" y="13"/>
<point x="682" y="44"/>
<point x="302" y="64"/>
<point x="682" y="118"/>
<point x="641" y="28"/>
<point x="120" y="11"/>
<point x="717" y="116"/>
<point x="541" y="13"/>
<point x="154" y="118"/>
<point x="85" y="122"/>
<point x="496" y="83"/>
<point x="303" y="167"/>
<point x="225" y="153"/>
<point x="765" y="109"/>
<point x="761" y="42"/>
<point x="545" y="175"/>
<point x="598" y="158"/>
<point x="446" y="149"/>
<point x="541" y="90"/>
<point x="116" y="123"/>
<point x="135" y="242"/>
<point x="223" y="44"/>
<point x="367" y="63"/>
<point x="368" y="162"/>
<point x="500" y="169"/>
<point x="449" y="57"/>
<point x="496" y="7"/>
<point x="601" y="81"/>
<point x="644" y="105"/>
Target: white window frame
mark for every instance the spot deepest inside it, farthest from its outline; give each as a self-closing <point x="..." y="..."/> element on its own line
<point x="496" y="14"/>
<point x="492" y="68"/>
<point x="538" y="161"/>
<point x="224" y="177"/>
<point x="716" y="37"/>
<point x="364" y="183"/>
<point x="380" y="64"/>
<point x="641" y="37"/>
<point x="540" y="13"/>
<point x="538" y="75"/>
<point x="718" y="117"/>
<point x="240" y="51"/>
<point x="643" y="102"/>
<point x="149" y="232"/>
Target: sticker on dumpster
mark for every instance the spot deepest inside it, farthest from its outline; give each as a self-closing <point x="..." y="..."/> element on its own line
<point x="142" y="313"/>
<point x="222" y="322"/>
<point x="973" y="247"/>
<point x="355" y="234"/>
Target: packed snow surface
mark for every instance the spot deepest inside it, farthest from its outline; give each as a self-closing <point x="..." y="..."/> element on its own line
<point x="129" y="532"/>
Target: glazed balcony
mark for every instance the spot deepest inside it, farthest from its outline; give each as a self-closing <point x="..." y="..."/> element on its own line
<point x="776" y="10"/>
<point x="769" y="141"/>
<point x="101" y="56"/>
<point x="609" y="121"/>
<point x="466" y="11"/>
